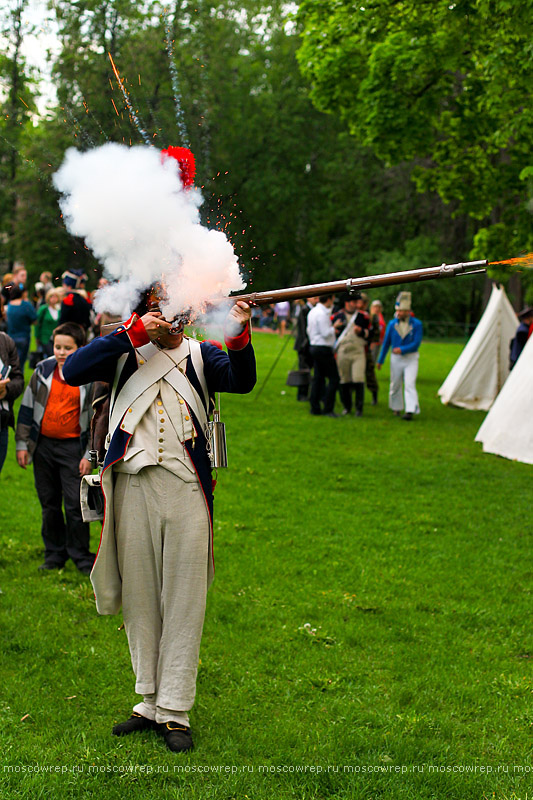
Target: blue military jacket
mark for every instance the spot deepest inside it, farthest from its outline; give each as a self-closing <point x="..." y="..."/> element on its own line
<point x="409" y="344"/>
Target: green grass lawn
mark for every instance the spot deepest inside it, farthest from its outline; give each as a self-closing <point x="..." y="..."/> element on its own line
<point x="368" y="632"/>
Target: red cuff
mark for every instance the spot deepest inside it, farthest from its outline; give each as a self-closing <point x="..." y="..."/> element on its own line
<point x="135" y="330"/>
<point x="238" y="342"/>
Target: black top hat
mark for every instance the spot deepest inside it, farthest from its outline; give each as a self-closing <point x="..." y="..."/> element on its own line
<point x="346" y="296"/>
<point x="526" y="312"/>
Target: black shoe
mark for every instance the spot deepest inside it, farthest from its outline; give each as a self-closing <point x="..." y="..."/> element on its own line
<point x="374" y="398"/>
<point x="358" y="412"/>
<point x="345" y="411"/>
<point x="135" y="723"/>
<point x="177" y="737"/>
<point x="51" y="565"/>
<point x="407" y="416"/>
<point x="316" y="413"/>
<point x="85" y="568"/>
<point x="331" y="414"/>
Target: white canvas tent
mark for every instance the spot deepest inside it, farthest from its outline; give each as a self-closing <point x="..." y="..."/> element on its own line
<point x="482" y="368"/>
<point x="508" y="427"/>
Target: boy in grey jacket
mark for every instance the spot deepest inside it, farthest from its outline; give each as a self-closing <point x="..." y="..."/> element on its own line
<point x="52" y="431"/>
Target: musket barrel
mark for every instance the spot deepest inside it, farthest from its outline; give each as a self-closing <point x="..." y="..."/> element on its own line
<point x="351" y="285"/>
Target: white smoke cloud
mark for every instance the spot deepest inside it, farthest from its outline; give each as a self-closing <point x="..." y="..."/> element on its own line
<point x="135" y="216"/>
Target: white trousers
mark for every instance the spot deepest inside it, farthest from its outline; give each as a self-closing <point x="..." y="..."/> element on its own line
<point x="162" y="532"/>
<point x="403" y="374"/>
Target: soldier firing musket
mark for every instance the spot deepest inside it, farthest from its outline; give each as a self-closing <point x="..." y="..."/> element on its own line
<point x="155" y="554"/>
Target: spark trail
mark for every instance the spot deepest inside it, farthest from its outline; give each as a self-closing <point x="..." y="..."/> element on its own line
<point x="180" y="119"/>
<point x="129" y="106"/>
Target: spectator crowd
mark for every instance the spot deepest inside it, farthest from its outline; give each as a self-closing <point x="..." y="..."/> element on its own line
<point x="340" y="343"/>
<point x="52" y="427"/>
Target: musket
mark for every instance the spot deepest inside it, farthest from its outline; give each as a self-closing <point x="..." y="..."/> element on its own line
<point x="353" y="285"/>
<point x="349" y="285"/>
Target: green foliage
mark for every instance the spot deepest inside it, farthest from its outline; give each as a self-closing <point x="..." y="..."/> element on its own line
<point x="370" y="611"/>
<point x="300" y="200"/>
<point x="16" y="106"/>
<point x="445" y="86"/>
<point x="84" y="79"/>
<point x="458" y="298"/>
<point x="41" y="239"/>
<point x="494" y="243"/>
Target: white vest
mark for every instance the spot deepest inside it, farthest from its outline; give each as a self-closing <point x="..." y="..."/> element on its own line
<point x="159" y="418"/>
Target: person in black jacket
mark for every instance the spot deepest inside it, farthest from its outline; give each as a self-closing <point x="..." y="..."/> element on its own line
<point x="10" y="388"/>
<point x="521" y="335"/>
<point x="301" y="345"/>
<point x="74" y="307"/>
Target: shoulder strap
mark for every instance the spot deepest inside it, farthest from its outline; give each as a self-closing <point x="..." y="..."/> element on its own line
<point x="118" y="372"/>
<point x="198" y="364"/>
<point x="345" y="331"/>
<point x="154" y="369"/>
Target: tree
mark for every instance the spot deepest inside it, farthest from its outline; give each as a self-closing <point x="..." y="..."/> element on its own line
<point x="89" y="94"/>
<point x="300" y="199"/>
<point x="443" y="85"/>
<point x="16" y="108"/>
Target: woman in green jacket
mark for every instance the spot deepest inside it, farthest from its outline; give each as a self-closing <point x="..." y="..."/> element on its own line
<point x="47" y="320"/>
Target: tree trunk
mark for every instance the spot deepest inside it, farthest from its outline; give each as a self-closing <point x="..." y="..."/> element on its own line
<point x="12" y="130"/>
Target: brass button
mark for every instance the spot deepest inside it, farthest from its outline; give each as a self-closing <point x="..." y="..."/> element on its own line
<point x="161" y="430"/>
<point x="160" y="450"/>
<point x="141" y="361"/>
<point x="159" y="403"/>
<point x="159" y="410"/>
<point x="161" y="440"/>
<point x="181" y="401"/>
<point x="187" y="418"/>
<point x="161" y="420"/>
<point x="160" y="459"/>
<point x="130" y="410"/>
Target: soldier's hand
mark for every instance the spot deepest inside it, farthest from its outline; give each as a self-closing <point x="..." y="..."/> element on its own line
<point x="154" y="324"/>
<point x="238" y="317"/>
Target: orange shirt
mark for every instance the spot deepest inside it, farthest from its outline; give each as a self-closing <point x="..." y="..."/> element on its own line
<point x="61" y="418"/>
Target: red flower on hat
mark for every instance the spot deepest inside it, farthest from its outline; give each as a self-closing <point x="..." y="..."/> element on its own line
<point x="69" y="300"/>
<point x="185" y="159"/>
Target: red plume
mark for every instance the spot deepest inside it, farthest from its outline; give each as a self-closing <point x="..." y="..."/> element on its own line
<point x="185" y="159"/>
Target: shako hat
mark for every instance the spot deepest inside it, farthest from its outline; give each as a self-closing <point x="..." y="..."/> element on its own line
<point x="73" y="278"/>
<point x="403" y="301"/>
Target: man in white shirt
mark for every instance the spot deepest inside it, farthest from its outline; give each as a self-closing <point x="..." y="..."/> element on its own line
<point x="321" y="335"/>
